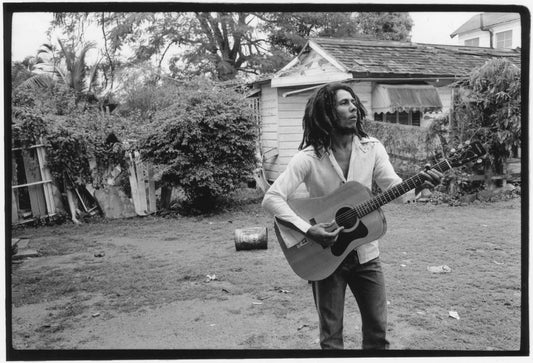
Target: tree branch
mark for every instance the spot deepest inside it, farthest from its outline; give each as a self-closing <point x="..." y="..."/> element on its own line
<point x="111" y="63"/>
<point x="164" y="53"/>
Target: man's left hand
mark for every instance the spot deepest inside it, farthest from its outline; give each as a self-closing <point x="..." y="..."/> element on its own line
<point x="432" y="178"/>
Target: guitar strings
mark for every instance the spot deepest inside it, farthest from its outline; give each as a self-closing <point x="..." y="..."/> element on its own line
<point x="372" y="204"/>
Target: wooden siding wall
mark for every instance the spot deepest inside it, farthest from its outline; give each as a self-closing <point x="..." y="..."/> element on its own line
<point x="269" y="129"/>
<point x="363" y="90"/>
<point x="445" y="94"/>
<point x="291" y="110"/>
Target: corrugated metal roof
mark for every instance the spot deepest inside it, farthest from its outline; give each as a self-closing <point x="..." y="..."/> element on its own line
<point x="376" y="58"/>
<point x="489" y="19"/>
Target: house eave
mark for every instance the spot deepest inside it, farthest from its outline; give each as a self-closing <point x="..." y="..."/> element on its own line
<point x="278" y="82"/>
<point x="364" y="76"/>
<point x="337" y="64"/>
<point x="404" y="76"/>
<point x="317" y="48"/>
<point x="261" y="82"/>
<point x="488" y="26"/>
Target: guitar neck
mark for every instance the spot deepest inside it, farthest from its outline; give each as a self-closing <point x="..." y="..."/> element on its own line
<point x="396" y="191"/>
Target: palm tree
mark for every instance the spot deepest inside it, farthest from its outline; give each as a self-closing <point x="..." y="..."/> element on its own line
<point x="75" y="72"/>
<point x="68" y="67"/>
<point x="29" y="73"/>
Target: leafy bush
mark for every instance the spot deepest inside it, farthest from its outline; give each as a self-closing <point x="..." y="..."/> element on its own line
<point x="55" y="99"/>
<point x="73" y="141"/>
<point x="409" y="147"/>
<point x="206" y="142"/>
<point x="407" y="141"/>
<point x="487" y="107"/>
<point x="27" y="127"/>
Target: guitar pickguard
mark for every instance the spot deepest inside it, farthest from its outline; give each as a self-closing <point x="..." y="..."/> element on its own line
<point x="345" y="238"/>
<point x="310" y="260"/>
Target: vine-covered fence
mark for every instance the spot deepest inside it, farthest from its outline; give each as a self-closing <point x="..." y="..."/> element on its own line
<point x="33" y="192"/>
<point x="35" y="196"/>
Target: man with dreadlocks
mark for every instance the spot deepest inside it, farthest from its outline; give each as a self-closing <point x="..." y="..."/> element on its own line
<point x="335" y="149"/>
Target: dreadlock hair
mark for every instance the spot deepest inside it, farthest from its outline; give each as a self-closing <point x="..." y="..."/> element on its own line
<point x="320" y="116"/>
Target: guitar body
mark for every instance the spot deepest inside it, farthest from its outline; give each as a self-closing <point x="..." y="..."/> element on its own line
<point x="308" y="258"/>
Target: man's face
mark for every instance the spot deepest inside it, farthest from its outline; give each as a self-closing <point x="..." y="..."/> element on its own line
<point x="346" y="112"/>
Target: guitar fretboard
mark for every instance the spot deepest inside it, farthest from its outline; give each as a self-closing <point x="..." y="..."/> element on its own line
<point x="389" y="195"/>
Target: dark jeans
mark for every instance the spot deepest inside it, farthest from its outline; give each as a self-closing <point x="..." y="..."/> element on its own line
<point x="367" y="284"/>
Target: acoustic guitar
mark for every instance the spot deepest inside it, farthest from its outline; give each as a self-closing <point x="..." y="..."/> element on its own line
<point x="355" y="208"/>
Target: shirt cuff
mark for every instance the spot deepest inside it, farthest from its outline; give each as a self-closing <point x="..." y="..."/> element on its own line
<point x="293" y="222"/>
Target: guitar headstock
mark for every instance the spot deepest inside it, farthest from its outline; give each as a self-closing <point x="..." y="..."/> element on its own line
<point x="469" y="152"/>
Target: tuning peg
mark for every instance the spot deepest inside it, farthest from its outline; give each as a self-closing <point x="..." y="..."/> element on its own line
<point x="479" y="161"/>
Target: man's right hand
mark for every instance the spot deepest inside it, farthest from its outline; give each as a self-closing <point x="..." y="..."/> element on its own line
<point x="324" y="233"/>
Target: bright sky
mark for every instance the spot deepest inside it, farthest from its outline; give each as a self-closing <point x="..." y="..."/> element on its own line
<point x="28" y="33"/>
<point x="436" y="27"/>
<point x="29" y="30"/>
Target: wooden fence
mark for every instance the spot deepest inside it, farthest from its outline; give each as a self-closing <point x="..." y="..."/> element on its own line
<point x="32" y="190"/>
<point x="142" y="184"/>
<point x="34" y="194"/>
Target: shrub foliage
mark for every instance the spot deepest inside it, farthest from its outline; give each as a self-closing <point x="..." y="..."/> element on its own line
<point x="488" y="107"/>
<point x="205" y="142"/>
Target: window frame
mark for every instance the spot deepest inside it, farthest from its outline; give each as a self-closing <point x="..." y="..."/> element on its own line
<point x="475" y="40"/>
<point x="506" y="39"/>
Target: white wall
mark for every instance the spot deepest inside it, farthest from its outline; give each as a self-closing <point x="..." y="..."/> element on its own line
<point x="291" y="111"/>
<point x="269" y="127"/>
<point x="484" y="36"/>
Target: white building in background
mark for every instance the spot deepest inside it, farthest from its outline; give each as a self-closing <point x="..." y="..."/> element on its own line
<point x="401" y="83"/>
<point x="491" y="30"/>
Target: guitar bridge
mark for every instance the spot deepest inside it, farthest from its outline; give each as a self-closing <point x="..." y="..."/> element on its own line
<point x="302" y="243"/>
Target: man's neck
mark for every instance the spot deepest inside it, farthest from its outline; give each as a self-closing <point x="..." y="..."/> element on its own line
<point x="342" y="142"/>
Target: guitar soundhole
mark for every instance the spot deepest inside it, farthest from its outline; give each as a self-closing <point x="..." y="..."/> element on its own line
<point x="346" y="217"/>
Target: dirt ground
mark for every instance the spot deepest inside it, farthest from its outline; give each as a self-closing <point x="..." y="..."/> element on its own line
<point x="143" y="283"/>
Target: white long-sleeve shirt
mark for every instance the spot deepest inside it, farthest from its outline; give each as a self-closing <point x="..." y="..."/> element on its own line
<point x="321" y="176"/>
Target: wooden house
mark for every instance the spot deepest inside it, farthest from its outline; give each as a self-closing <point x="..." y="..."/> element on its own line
<point x="398" y="82"/>
<point x="493" y="30"/>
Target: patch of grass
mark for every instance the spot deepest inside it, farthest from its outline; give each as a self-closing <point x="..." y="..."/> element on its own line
<point x="150" y="262"/>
